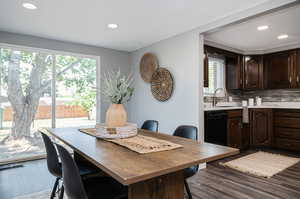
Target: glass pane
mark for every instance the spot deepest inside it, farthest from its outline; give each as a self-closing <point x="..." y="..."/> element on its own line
<point x="25" y="103"/>
<point x="75" y="91"/>
<point x="216" y="75"/>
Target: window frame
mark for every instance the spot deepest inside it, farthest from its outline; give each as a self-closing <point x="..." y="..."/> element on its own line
<point x="220" y="57"/>
<point x="53" y="84"/>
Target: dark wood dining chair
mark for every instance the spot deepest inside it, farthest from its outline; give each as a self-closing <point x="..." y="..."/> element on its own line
<point x="150" y="125"/>
<point x="55" y="167"/>
<point x="90" y="188"/>
<point x="190" y="132"/>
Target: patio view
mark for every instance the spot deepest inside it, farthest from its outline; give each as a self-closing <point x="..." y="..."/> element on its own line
<point x="48" y="90"/>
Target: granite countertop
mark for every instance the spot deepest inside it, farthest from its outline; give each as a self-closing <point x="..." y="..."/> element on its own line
<point x="233" y="106"/>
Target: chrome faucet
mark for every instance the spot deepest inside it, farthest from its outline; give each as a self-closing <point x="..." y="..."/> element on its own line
<point x="214" y="103"/>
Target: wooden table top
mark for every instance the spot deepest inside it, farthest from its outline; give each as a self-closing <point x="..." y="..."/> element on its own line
<point x="129" y="167"/>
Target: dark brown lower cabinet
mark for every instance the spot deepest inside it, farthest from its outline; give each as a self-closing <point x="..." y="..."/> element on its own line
<point x="261" y="127"/>
<point x="287" y="129"/>
<point x="276" y="128"/>
<point x="245" y="136"/>
<point x="236" y="134"/>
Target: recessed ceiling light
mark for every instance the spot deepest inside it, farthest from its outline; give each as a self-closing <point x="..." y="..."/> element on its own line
<point x="284" y="36"/>
<point x="112" y="26"/>
<point x="29" y="6"/>
<point x="264" y="27"/>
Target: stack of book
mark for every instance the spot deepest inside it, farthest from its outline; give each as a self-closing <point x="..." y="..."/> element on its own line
<point x="129" y="130"/>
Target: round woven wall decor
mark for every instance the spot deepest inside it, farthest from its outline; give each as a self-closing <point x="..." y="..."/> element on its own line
<point x="148" y="65"/>
<point x="162" y="84"/>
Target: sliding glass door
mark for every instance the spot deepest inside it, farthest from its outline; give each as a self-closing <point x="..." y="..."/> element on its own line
<point x="42" y="89"/>
<point x="75" y="92"/>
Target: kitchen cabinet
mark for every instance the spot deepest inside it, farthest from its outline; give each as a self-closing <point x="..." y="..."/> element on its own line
<point x="234" y="132"/>
<point x="205" y="77"/>
<point x="234" y="129"/>
<point x="297" y="69"/>
<point x="234" y="79"/>
<point x="237" y="133"/>
<point x="261" y="127"/>
<point x="276" y="128"/>
<point x="246" y="136"/>
<point x="253" y="72"/>
<point x="287" y="129"/>
<point x="279" y="70"/>
<point x="233" y="67"/>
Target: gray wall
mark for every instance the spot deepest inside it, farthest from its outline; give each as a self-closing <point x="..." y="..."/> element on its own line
<point x="181" y="55"/>
<point x="109" y="59"/>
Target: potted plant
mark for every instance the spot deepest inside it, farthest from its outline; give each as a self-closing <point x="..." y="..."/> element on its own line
<point x="117" y="90"/>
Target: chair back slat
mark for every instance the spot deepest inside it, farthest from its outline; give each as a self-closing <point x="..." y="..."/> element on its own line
<point x="150" y="125"/>
<point x="52" y="157"/>
<point x="187" y="131"/>
<point x="71" y="178"/>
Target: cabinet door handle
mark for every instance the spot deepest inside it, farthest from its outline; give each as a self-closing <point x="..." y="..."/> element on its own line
<point x="290" y="79"/>
<point x="297" y="78"/>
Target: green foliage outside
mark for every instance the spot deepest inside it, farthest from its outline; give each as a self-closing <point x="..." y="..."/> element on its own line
<point x="80" y="79"/>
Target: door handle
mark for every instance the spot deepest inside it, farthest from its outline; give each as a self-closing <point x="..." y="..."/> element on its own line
<point x="297" y="79"/>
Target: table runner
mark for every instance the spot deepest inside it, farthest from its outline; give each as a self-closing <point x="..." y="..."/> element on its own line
<point x="140" y="143"/>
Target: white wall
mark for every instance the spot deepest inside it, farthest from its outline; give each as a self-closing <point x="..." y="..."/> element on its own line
<point x="109" y="59"/>
<point x="181" y="55"/>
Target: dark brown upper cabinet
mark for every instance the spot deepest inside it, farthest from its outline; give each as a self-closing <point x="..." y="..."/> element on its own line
<point x="234" y="72"/>
<point x="253" y="72"/>
<point x="205" y="77"/>
<point x="297" y="69"/>
<point x="233" y="67"/>
<point x="279" y="70"/>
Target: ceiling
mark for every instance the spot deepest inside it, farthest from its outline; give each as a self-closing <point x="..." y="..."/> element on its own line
<point x="141" y="22"/>
<point x="245" y="36"/>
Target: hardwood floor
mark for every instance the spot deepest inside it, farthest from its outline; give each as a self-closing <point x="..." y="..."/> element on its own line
<point x="215" y="181"/>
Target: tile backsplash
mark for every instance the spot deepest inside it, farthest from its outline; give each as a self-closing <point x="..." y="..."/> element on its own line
<point x="277" y="95"/>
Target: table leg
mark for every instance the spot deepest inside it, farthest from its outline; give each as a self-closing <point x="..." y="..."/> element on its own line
<point x="170" y="186"/>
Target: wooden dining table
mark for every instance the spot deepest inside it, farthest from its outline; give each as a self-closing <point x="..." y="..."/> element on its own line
<point x="157" y="175"/>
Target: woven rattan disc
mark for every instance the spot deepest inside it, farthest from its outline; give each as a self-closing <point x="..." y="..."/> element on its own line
<point x="162" y="84"/>
<point x="148" y="65"/>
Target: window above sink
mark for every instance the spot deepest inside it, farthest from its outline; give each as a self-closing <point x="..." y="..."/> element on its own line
<point x="216" y="74"/>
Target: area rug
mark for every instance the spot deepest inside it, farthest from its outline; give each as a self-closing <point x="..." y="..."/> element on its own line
<point x="39" y="195"/>
<point x="262" y="163"/>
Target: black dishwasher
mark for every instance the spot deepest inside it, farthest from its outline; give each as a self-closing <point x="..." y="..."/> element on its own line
<point x="216" y="127"/>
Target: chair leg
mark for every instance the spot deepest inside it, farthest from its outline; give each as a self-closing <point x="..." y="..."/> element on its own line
<point x="62" y="190"/>
<point x="188" y="189"/>
<point x="54" y="188"/>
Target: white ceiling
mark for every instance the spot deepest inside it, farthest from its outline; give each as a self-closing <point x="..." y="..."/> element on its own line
<point x="245" y="36"/>
<point x="141" y="22"/>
